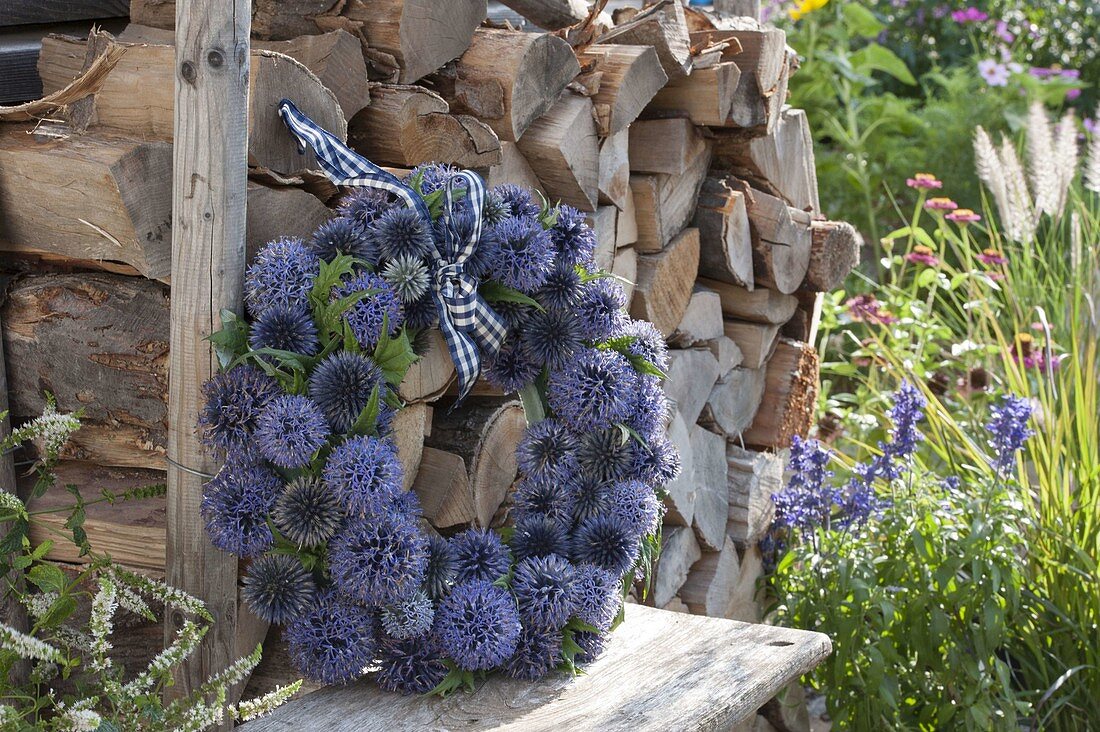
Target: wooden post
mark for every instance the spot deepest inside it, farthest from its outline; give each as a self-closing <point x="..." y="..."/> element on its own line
<point x="209" y="184"/>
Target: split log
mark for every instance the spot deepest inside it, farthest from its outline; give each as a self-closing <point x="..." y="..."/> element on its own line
<point x="148" y="114"/>
<point x="409" y="125"/>
<point x="781" y="241"/>
<point x="725" y="239"/>
<point x="563" y="149"/>
<point x="625" y="267"/>
<point x="627" y="229"/>
<point x="679" y="550"/>
<point x="754" y="477"/>
<point x="711" y="487"/>
<point x="550" y="14"/>
<point x="411" y="425"/>
<point x="614" y="180"/>
<point x="790" y="396"/>
<point x="680" y="492"/>
<point x="271" y="19"/>
<point x="485" y="436"/>
<point x="803" y="324"/>
<point x="780" y="163"/>
<point x="630" y="77"/>
<point x="702" y="319"/>
<point x="662" y="27"/>
<point x="421" y="35"/>
<point x="734" y="8"/>
<point x="726" y="351"/>
<point x="335" y="58"/>
<point x="757" y="306"/>
<point x="665" y="281"/>
<point x="123" y="212"/>
<point x="762" y="88"/>
<point x="664" y="146"/>
<point x="508" y="79"/>
<point x="709" y="586"/>
<point x="443" y="486"/>
<point x="278" y="211"/>
<point x="756" y="341"/>
<point x="706" y="96"/>
<point x="428" y="378"/>
<point x="691" y="374"/>
<point x="834" y="253"/>
<point x="132" y="532"/>
<point x="603" y="222"/>
<point x="745" y="605"/>
<point x="513" y="168"/>
<point x="734" y="401"/>
<point x="665" y="204"/>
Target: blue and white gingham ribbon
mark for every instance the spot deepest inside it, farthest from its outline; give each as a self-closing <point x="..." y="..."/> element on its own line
<point x="467" y="321"/>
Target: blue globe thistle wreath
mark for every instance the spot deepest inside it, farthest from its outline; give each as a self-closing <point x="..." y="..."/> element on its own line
<point x="312" y="491"/>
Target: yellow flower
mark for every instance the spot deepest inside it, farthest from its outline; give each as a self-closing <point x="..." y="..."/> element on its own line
<point x="802" y="7"/>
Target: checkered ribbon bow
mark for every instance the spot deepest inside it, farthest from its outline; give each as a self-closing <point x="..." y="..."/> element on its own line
<point x="469" y="325"/>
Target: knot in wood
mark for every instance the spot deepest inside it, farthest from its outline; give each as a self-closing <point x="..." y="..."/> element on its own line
<point x="215" y="58"/>
<point x="187" y="71"/>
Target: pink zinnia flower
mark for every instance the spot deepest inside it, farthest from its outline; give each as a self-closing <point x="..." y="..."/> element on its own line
<point x="922" y="255"/>
<point x="963" y="216"/>
<point x="969" y="15"/>
<point x="992" y="258"/>
<point x="867" y="309"/>
<point x="940" y="204"/>
<point x="926" y="181"/>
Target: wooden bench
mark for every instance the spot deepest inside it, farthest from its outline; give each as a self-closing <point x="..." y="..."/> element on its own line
<point x="662" y="671"/>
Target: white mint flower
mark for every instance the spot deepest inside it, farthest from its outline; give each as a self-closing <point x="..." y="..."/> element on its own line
<point x="27" y="646"/>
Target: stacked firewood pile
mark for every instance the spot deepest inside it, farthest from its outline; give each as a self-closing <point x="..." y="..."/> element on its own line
<point x="667" y="125"/>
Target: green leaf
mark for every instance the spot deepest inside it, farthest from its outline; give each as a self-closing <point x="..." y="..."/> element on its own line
<point x="231" y="341"/>
<point x="874" y="57"/>
<point x="494" y="291"/>
<point x="861" y="21"/>
<point x="534" y="408"/>
<point x="365" y="423"/>
<point x="47" y="578"/>
<point x="394" y="355"/>
<point x="59" y="611"/>
<point x="926" y="277"/>
<point x="455" y="679"/>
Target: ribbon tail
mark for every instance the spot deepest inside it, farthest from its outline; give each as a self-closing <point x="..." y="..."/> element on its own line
<point x="463" y="353"/>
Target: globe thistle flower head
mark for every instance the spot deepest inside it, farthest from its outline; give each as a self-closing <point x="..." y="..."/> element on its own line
<point x="524" y="255"/>
<point x="519" y="200"/>
<point x="537" y="654"/>
<point x="551" y="338"/>
<point x="573" y="239"/>
<point x="368" y="316"/>
<point x="281" y="274"/>
<point x="479" y="554"/>
<point x="561" y="290"/>
<point x="544" y="591"/>
<point x="422" y="313"/>
<point x="363" y="205"/>
<point x="278" y="588"/>
<point x="343" y="235"/>
<point x="341" y="386"/>
<point x="409" y="666"/>
<point x="544" y="497"/>
<point x="478" y="625"/>
<point x="334" y="642"/>
<point x="636" y="505"/>
<point x="365" y="475"/>
<point x="607" y="542"/>
<point x="601" y="309"/>
<point x="496" y="209"/>
<point x="407" y="504"/>
<point x="235" y="505"/>
<point x="286" y="328"/>
<point x="408" y="618"/>
<point x="649" y="416"/>
<point x="536" y="535"/>
<point x="594" y="390"/>
<point x="442" y="568"/>
<point x="380" y="560"/>
<point x="591" y="496"/>
<point x="307" y="513"/>
<point x="408" y="276"/>
<point x="515" y="314"/>
<point x="547" y="450"/>
<point x="657" y="463"/>
<point x="290" y="430"/>
<point x="482" y="260"/>
<point x="232" y="403"/>
<point x="592" y="646"/>
<point x="401" y="232"/>
<point x="597" y="596"/>
<point x="607" y="455"/>
<point x="511" y="369"/>
<point x="647" y="342"/>
<point x="433" y="176"/>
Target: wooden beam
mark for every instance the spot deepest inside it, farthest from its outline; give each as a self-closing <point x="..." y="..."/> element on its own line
<point x="209" y="184"/>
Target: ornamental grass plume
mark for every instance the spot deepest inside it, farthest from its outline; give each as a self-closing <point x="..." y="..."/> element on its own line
<point x="342" y="384"/>
<point x="1092" y="160"/>
<point x="278" y="588"/>
<point x="307" y="513"/>
<point x="334" y="642"/>
<point x="478" y="625"/>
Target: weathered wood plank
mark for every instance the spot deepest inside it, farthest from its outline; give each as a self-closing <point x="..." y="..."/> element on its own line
<point x="713" y="673"/>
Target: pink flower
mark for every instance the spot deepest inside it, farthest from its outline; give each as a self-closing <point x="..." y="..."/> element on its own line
<point x="1072" y="94"/>
<point x="940" y="204"/>
<point x="969" y="15"/>
<point x="1004" y="33"/>
<point x="994" y="72"/>
<point x="992" y="258"/>
<point x="922" y="255"/>
<point x="963" y="216"/>
<point x="926" y="181"/>
<point x="867" y="309"/>
<point x="1091" y="125"/>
